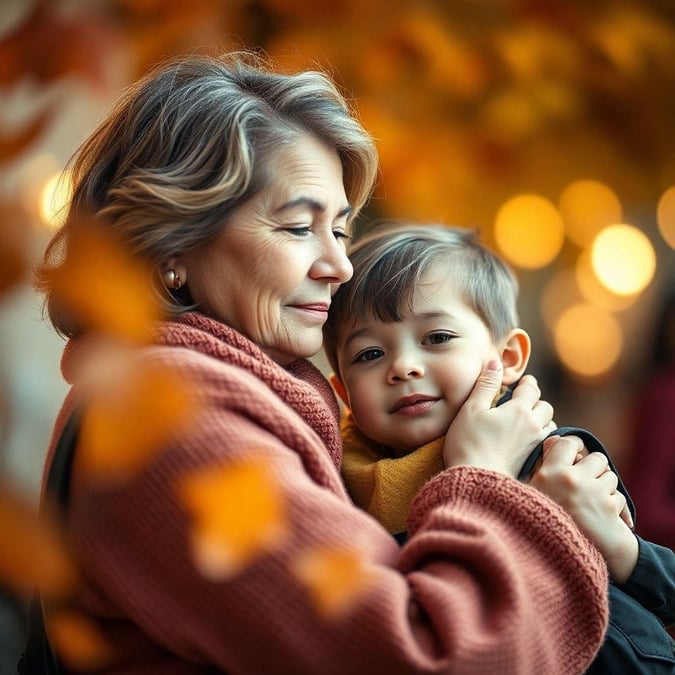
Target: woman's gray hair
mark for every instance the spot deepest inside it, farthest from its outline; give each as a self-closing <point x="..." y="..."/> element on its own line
<point x="389" y="262"/>
<point x="189" y="143"/>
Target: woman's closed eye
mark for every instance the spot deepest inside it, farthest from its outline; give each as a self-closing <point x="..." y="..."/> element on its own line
<point x="299" y="230"/>
<point x="438" y="337"/>
<point x="306" y="230"/>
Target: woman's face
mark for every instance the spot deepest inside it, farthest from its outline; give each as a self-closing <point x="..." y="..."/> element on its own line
<point x="281" y="255"/>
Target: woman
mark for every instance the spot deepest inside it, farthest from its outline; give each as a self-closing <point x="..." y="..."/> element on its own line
<point x="239" y="185"/>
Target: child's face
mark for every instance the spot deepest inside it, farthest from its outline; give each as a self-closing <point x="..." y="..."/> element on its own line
<point x="405" y="381"/>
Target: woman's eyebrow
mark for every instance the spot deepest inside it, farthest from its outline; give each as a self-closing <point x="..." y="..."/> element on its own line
<point x="313" y="205"/>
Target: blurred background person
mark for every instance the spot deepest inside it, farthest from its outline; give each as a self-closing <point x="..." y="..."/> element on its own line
<point x="651" y="461"/>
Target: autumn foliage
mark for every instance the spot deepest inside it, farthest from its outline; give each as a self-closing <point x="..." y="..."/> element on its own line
<point x="469" y="102"/>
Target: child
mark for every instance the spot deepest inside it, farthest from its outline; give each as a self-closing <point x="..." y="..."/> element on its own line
<point x="407" y="337"/>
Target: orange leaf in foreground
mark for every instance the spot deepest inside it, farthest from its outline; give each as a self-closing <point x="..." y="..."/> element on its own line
<point x="13" y="144"/>
<point x="239" y="513"/>
<point x="104" y="288"/>
<point x="130" y="415"/>
<point x="32" y="554"/>
<point x="77" y="641"/>
<point x="14" y="244"/>
<point x="336" y="579"/>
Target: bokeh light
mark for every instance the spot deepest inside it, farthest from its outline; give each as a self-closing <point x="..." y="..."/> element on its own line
<point x="54" y="198"/>
<point x="559" y="292"/>
<point x="588" y="339"/>
<point x="623" y="259"/>
<point x="595" y="292"/>
<point x="529" y="231"/>
<point x="31" y="179"/>
<point x="665" y="216"/>
<point x="587" y="206"/>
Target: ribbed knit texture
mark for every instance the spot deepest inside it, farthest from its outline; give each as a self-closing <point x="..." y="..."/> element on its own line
<point x="495" y="578"/>
<point x="305" y="390"/>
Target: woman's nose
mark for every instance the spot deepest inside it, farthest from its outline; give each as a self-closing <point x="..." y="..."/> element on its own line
<point x="405" y="367"/>
<point x="332" y="262"/>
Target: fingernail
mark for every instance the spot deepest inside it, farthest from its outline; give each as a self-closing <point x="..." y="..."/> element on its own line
<point x="494" y="364"/>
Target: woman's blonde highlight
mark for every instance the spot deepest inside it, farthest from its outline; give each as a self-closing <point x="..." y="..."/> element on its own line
<point x="189" y="143"/>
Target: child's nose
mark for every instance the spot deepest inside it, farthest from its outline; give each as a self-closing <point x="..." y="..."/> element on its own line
<point x="405" y="368"/>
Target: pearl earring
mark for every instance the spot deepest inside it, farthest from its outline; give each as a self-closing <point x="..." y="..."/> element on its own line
<point x="172" y="280"/>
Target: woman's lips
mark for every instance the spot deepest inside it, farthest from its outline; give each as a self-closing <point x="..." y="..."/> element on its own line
<point x="317" y="310"/>
<point x="315" y="306"/>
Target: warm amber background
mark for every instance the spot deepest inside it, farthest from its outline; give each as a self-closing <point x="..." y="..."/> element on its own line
<point x="472" y="102"/>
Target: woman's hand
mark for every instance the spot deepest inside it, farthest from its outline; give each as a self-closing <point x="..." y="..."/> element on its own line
<point x="498" y="438"/>
<point x="584" y="485"/>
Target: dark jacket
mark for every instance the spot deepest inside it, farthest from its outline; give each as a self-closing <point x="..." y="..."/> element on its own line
<point x="636" y="639"/>
<point x="640" y="610"/>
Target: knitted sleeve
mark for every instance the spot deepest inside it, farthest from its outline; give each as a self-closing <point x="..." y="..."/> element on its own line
<point x="494" y="579"/>
<point x="445" y="515"/>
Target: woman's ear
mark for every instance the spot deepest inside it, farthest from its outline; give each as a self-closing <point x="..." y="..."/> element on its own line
<point x="339" y="388"/>
<point x="515" y="355"/>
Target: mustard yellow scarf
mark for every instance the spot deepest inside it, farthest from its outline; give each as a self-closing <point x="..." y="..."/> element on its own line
<point x="381" y="484"/>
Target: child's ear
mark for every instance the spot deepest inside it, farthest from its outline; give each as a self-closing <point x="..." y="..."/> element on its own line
<point x="339" y="388"/>
<point x="515" y="355"/>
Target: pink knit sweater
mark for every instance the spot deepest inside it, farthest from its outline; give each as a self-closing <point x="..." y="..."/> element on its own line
<point x="495" y="577"/>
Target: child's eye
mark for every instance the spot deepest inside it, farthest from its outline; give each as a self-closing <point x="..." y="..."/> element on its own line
<point x="341" y="234"/>
<point x="438" y="338"/>
<point x="368" y="355"/>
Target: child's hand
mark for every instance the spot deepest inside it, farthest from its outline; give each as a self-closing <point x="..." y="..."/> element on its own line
<point x="585" y="487"/>
<point x="498" y="438"/>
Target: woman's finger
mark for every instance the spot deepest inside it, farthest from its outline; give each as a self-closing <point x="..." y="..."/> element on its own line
<point x="527" y="390"/>
<point x="625" y="513"/>
<point x="562" y="450"/>
<point x="611" y="483"/>
<point x="595" y="463"/>
<point x="543" y="411"/>
<point x="608" y="480"/>
<point x="486" y="387"/>
<point x="550" y="427"/>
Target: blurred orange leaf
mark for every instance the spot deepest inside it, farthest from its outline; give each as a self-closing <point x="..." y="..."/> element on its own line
<point x="77" y="640"/>
<point x="317" y="10"/>
<point x="335" y="577"/>
<point x="239" y="513"/>
<point x="13" y="245"/>
<point x="12" y="145"/>
<point x="33" y="553"/>
<point x="50" y="44"/>
<point x="131" y="410"/>
<point x="446" y="60"/>
<point x="104" y="288"/>
<point x="155" y="29"/>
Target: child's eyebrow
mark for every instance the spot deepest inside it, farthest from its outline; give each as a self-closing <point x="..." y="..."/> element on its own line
<point x="355" y="334"/>
<point x="431" y="314"/>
